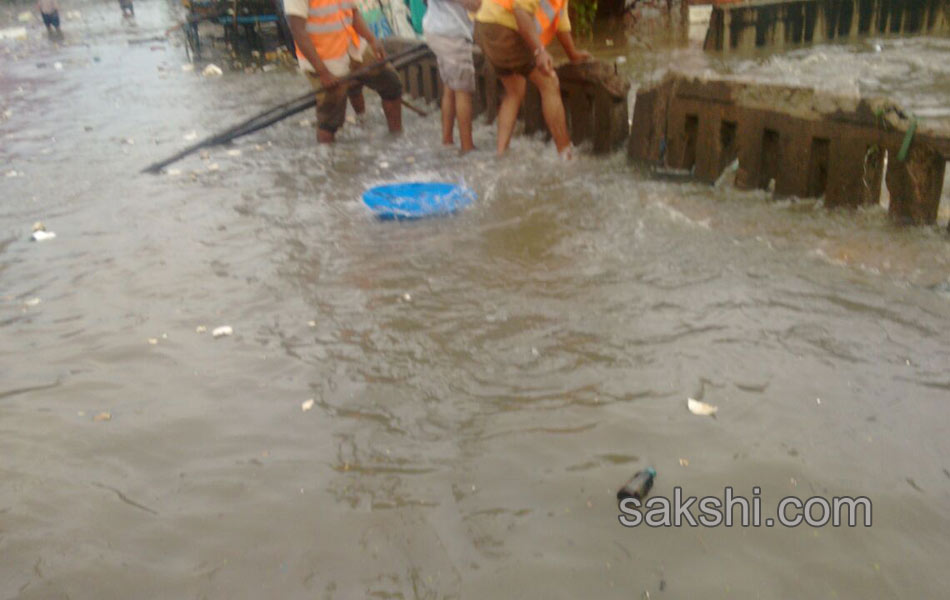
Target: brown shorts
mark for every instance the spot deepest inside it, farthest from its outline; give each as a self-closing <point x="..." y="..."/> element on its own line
<point x="331" y="104"/>
<point x="504" y="48"/>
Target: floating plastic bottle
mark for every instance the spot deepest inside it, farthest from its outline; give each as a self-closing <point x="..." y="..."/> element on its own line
<point x="639" y="486"/>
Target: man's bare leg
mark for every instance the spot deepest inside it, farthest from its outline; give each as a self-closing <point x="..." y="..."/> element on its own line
<point x="359" y="102"/>
<point x="393" y="111"/>
<point x="515" y="86"/>
<point x="324" y="136"/>
<point x="552" y="107"/>
<point x="448" y="116"/>
<point x="463" y="111"/>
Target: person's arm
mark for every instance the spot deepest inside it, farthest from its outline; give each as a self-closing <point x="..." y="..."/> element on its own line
<point x="363" y="30"/>
<point x="573" y="54"/>
<point x="298" y="29"/>
<point x="526" y="24"/>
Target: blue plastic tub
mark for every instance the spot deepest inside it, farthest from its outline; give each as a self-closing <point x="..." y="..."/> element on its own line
<point x="417" y="200"/>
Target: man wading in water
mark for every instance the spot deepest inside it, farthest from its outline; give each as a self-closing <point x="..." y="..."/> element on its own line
<point x="448" y="31"/>
<point x="327" y="35"/>
<point x="513" y="35"/>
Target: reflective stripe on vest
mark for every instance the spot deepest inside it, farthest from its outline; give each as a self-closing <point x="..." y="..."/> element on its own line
<point x="330" y="27"/>
<point x="546" y="17"/>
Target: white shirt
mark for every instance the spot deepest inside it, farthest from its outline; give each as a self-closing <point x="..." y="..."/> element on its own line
<point x="448" y="18"/>
<point x="338" y="66"/>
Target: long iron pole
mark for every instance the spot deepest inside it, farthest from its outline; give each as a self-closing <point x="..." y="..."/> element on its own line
<point x="285" y="110"/>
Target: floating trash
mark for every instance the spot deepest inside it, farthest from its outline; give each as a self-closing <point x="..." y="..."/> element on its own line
<point x="191" y="135"/>
<point x="103" y="416"/>
<point x="639" y="485"/>
<point x="305" y="406"/>
<point x="212" y="70"/>
<point x="700" y="408"/>
<point x="222" y="331"/>
<point x="13" y="33"/>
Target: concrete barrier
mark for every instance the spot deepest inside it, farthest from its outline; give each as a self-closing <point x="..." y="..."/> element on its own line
<point x="794" y="141"/>
<point x="594" y="95"/>
<point x="778" y="23"/>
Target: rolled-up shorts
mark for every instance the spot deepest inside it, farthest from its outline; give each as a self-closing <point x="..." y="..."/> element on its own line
<point x="456" y="66"/>
<point x="51" y="19"/>
<point x="504" y="48"/>
<point x="331" y="104"/>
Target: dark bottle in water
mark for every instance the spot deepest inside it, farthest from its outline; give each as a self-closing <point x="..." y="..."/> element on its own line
<point x="639" y="486"/>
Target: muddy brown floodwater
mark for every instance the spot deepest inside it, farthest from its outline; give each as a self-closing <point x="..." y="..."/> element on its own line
<point x="482" y="384"/>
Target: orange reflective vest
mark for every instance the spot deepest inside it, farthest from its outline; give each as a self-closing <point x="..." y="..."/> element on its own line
<point x="546" y="17"/>
<point x="330" y="27"/>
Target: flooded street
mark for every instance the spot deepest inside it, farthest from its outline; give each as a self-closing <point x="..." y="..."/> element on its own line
<point x="482" y="384"/>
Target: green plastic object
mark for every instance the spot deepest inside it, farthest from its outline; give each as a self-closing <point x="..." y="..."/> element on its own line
<point x="908" y="137"/>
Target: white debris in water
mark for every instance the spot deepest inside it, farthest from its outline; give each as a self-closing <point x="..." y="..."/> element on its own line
<point x="25" y="17"/>
<point x="700" y="408"/>
<point x="32" y="302"/>
<point x="191" y="135"/>
<point x="58" y="66"/>
<point x="153" y="341"/>
<point x="621" y="60"/>
<point x="40" y="234"/>
<point x="383" y="164"/>
<point x="305" y="406"/>
<point x="609" y="42"/>
<point x="534" y="351"/>
<point x="212" y="70"/>
<point x="173" y="172"/>
<point x="13" y="33"/>
<point x="234" y="152"/>
<point x="188" y="68"/>
<point x="222" y="331"/>
<point x="311" y="323"/>
<point x="13" y="173"/>
<point x="818" y="401"/>
<point x="407" y="297"/>
<point x="305" y="123"/>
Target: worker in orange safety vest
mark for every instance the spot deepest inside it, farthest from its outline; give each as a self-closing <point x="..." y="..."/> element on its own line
<point x="329" y="36"/>
<point x="513" y="35"/>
